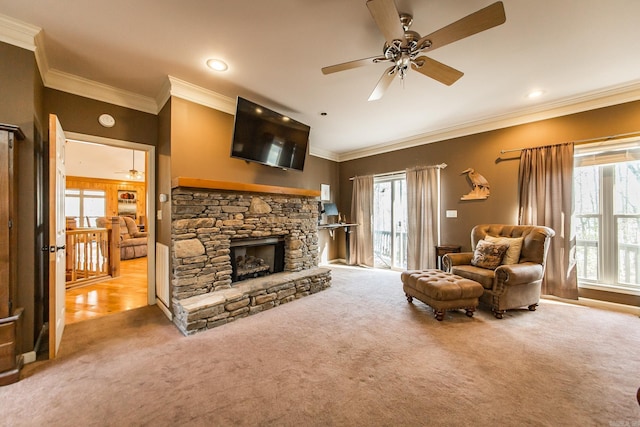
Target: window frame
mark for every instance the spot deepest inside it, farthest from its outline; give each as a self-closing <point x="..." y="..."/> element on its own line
<point x="608" y="273"/>
<point x="82" y="195"/>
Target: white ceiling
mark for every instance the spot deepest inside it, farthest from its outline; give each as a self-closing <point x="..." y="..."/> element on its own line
<point x="574" y="50"/>
<point x="102" y="161"/>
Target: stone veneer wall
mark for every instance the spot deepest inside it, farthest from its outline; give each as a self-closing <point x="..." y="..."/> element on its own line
<point x="205" y="221"/>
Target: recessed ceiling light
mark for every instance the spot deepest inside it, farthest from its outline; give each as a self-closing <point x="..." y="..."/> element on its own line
<point x="535" y="94"/>
<point x="217" y="65"/>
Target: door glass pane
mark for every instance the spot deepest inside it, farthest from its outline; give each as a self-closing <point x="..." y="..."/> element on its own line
<point x="382" y="225"/>
<point x="400" y="220"/>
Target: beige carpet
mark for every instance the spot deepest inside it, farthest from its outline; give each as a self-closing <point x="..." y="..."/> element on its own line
<point x="356" y="354"/>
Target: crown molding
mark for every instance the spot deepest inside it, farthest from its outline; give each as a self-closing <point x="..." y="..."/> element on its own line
<point x="30" y="37"/>
<point x="18" y="33"/>
<point x="323" y="154"/>
<point x="591" y="101"/>
<point x="80" y="86"/>
<point x="198" y="95"/>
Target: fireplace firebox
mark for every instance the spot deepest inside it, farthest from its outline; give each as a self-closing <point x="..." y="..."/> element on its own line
<point x="252" y="258"/>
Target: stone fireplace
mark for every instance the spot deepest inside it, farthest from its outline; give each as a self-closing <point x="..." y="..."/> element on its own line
<point x="251" y="258"/>
<point x="238" y="252"/>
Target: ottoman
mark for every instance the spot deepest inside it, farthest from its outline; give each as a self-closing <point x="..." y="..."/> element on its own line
<point x="442" y="291"/>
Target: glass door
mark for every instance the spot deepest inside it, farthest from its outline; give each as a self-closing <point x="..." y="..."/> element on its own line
<point x="390" y="222"/>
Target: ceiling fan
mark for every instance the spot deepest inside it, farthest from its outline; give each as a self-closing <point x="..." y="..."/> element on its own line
<point x="403" y="46"/>
<point x="133" y="173"/>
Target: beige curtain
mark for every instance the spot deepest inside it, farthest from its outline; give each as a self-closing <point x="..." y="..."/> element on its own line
<point x="422" y="217"/>
<point x="545" y="186"/>
<point x="362" y="214"/>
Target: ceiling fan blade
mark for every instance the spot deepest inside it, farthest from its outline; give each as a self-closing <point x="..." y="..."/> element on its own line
<point x="436" y="70"/>
<point x="489" y="17"/>
<point x="383" y="83"/>
<point x="352" y="64"/>
<point x="387" y="18"/>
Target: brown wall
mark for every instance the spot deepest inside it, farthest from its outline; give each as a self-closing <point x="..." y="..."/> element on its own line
<point x="482" y="152"/>
<point x="201" y="147"/>
<point x="80" y="114"/>
<point x="163" y="174"/>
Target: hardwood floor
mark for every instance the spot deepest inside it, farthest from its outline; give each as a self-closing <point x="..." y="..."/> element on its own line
<point x="122" y="293"/>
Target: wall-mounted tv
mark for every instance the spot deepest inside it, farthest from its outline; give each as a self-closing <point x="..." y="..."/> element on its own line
<point x="264" y="136"/>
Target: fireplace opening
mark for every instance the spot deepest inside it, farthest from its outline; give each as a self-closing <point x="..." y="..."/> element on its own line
<point x="252" y="258"/>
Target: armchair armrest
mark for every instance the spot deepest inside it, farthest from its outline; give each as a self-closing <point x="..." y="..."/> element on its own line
<point x="460" y="258"/>
<point x="518" y="274"/>
<point x="140" y="234"/>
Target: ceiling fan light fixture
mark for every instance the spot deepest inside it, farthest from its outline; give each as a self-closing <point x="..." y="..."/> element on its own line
<point x="402" y="45"/>
<point x="217" y="64"/>
<point x="133" y="172"/>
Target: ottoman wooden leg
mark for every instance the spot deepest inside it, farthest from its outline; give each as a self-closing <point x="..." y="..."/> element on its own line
<point x="409" y="298"/>
<point x="439" y="315"/>
<point x="469" y="311"/>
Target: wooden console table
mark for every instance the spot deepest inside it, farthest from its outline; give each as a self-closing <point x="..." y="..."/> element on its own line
<point x="441" y="250"/>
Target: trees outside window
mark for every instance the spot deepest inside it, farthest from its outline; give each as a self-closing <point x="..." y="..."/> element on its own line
<point x="607" y="223"/>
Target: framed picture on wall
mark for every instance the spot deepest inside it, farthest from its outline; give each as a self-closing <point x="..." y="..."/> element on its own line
<point x="128" y="203"/>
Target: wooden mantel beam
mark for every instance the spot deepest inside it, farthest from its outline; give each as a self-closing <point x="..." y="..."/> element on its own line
<point x="240" y="186"/>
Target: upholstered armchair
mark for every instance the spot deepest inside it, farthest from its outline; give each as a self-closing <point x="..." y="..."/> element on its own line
<point x="133" y="243"/>
<point x="508" y="261"/>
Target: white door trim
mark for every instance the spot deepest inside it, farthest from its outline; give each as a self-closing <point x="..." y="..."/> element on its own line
<point x="151" y="202"/>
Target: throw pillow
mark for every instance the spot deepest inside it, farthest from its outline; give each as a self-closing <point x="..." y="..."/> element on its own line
<point x="488" y="255"/>
<point x="515" y="247"/>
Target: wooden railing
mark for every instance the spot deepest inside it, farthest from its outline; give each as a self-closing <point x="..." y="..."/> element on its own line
<point x="93" y="254"/>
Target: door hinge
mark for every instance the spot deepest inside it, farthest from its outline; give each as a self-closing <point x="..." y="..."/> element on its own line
<point x="10" y="223"/>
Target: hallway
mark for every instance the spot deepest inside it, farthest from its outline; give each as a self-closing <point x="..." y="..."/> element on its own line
<point x="126" y="292"/>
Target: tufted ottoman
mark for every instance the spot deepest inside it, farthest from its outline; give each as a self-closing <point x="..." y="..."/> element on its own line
<point x="442" y="291"/>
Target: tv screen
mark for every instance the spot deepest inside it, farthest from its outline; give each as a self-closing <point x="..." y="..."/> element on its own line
<point x="264" y="136"/>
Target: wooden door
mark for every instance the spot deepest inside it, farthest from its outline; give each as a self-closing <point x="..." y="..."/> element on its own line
<point x="57" y="234"/>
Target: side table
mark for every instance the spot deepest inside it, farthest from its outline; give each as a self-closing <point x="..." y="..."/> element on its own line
<point x="442" y="250"/>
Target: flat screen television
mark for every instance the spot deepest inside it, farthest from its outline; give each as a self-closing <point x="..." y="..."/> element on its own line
<point x="264" y="136"/>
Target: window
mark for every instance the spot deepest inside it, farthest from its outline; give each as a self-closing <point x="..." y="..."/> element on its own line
<point x="85" y="206"/>
<point x="607" y="218"/>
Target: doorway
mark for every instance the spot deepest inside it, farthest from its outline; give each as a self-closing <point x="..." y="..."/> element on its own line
<point x="390" y="222"/>
<point x="116" y="170"/>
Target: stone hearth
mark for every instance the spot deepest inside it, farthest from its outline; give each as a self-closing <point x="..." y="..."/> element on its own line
<point x="206" y="221"/>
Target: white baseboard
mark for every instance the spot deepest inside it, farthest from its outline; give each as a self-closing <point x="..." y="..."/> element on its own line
<point x="164" y="309"/>
<point x="29" y="357"/>
<point x="605" y="305"/>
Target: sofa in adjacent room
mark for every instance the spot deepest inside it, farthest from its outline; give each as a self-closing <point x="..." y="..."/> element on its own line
<point x="133" y="242"/>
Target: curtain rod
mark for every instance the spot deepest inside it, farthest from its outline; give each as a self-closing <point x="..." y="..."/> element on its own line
<point x="440" y="166"/>
<point x="583" y="141"/>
